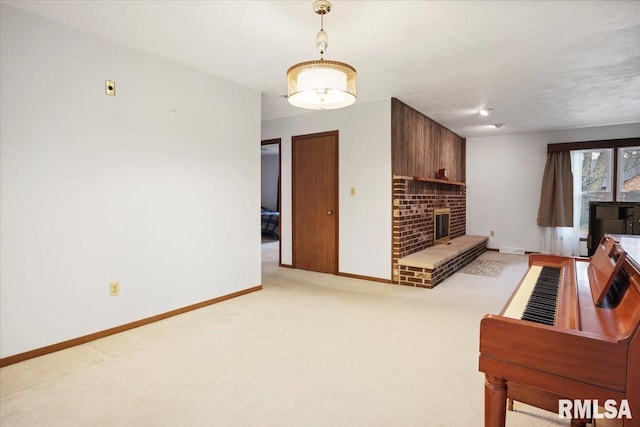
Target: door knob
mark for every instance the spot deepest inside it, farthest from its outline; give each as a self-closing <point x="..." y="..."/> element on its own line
<point x="330" y="213"/>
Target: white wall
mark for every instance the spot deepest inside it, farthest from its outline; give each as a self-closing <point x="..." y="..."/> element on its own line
<point x="157" y="187"/>
<point x="504" y="177"/>
<point x="365" y="163"/>
<point x="270" y="171"/>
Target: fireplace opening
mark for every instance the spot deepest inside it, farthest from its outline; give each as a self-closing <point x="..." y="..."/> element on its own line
<point x="441" y="225"/>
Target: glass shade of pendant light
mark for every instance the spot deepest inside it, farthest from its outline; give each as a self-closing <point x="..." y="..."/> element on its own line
<point x="321" y="84"/>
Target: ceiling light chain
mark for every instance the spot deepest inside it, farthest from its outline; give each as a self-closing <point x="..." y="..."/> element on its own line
<point x="322" y="39"/>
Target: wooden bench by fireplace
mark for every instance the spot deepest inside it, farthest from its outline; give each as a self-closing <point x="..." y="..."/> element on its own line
<point x="430" y="266"/>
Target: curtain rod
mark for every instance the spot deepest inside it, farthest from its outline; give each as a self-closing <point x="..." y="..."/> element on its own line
<point x="588" y="145"/>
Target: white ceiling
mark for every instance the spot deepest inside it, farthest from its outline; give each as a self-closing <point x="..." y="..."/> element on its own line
<point x="541" y="65"/>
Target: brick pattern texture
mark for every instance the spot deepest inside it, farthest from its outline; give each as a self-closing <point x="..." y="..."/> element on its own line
<point x="426" y="278"/>
<point x="413" y="205"/>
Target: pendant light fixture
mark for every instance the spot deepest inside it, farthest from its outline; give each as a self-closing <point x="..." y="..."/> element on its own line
<point x="321" y="84"/>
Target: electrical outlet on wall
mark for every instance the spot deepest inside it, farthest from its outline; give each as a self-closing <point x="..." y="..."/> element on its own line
<point x="110" y="87"/>
<point x="114" y="289"/>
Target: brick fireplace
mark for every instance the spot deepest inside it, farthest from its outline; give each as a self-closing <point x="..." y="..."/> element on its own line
<point x="414" y="202"/>
<point x="428" y="167"/>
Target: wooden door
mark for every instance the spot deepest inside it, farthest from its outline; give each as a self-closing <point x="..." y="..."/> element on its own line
<point x="315" y="202"/>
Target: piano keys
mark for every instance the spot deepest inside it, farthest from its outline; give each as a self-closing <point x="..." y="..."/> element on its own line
<point x="570" y="338"/>
<point x="541" y="307"/>
<point x="536" y="300"/>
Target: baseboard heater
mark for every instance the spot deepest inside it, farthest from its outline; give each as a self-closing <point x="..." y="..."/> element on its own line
<point x="510" y="250"/>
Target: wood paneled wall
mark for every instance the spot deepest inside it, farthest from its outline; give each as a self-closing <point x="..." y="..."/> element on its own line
<point x="421" y="146"/>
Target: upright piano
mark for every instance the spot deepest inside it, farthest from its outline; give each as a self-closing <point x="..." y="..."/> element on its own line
<point x="569" y="331"/>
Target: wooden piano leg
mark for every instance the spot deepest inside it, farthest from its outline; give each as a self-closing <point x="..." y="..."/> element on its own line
<point x="495" y="401"/>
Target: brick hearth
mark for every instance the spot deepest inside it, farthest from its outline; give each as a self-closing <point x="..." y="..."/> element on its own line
<point x="429" y="267"/>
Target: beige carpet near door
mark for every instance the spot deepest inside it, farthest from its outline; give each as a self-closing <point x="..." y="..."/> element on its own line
<point x="308" y="350"/>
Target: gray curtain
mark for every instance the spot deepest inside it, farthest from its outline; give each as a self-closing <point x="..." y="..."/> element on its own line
<point x="556" y="197"/>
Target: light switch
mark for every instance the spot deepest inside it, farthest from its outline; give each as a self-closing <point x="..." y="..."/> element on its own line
<point x="353" y="191"/>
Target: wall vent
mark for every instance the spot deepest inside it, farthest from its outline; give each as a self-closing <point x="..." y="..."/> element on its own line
<point x="510" y="250"/>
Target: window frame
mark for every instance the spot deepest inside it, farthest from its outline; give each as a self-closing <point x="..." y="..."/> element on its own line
<point x="605" y="143"/>
<point x="615" y="144"/>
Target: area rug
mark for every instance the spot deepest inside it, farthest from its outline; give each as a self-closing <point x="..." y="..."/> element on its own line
<point x="485" y="268"/>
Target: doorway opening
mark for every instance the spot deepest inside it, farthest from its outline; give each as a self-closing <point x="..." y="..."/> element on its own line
<point x="270" y="201"/>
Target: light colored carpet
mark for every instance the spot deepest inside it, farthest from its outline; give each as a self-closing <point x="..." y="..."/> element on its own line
<point x="308" y="350"/>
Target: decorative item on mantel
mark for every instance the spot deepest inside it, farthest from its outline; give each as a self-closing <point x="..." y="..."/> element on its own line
<point x="442" y="174"/>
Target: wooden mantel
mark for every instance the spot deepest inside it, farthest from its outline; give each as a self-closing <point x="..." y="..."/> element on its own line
<point x="439" y="181"/>
<point x="428" y="179"/>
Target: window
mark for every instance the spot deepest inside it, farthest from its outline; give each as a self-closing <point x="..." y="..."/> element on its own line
<point x="629" y="174"/>
<point x="603" y="171"/>
<point x="594" y="174"/>
<point x="594" y="169"/>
